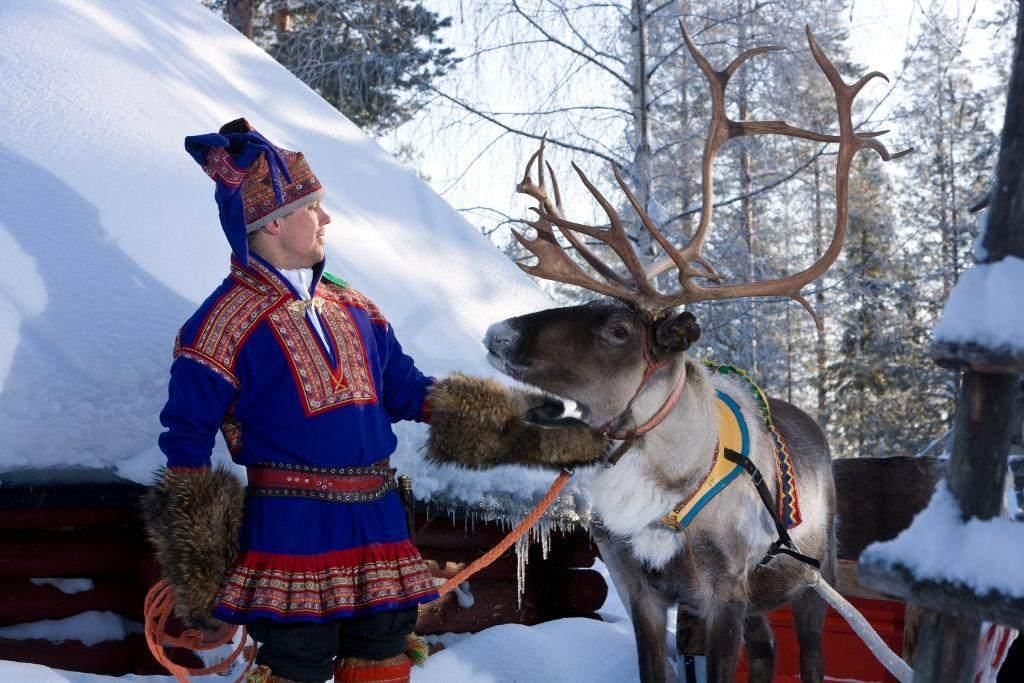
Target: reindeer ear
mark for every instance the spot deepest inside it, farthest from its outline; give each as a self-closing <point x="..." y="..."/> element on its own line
<point x="676" y="333"/>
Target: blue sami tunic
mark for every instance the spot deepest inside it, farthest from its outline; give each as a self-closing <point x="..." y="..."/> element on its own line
<point x="254" y="367"/>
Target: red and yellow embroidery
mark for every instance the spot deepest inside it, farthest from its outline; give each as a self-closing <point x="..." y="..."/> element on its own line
<point x="321" y="386"/>
<point x="228" y="323"/>
<point x="343" y="581"/>
<point x="259" y="294"/>
<point x="346" y="296"/>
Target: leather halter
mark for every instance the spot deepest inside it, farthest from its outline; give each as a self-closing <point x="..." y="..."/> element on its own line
<point x="629" y="436"/>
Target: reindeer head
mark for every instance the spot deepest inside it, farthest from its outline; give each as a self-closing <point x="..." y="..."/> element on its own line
<point x="596" y="353"/>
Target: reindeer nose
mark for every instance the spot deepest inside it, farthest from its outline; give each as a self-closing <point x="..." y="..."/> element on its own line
<point x="501" y="339"/>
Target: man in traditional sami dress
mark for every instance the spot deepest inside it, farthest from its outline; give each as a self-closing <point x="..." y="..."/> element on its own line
<point x="304" y="377"/>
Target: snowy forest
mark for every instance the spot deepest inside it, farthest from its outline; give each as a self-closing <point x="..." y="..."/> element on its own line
<point x="611" y="85"/>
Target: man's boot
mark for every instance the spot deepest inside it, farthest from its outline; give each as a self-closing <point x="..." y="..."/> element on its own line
<point x="355" y="670"/>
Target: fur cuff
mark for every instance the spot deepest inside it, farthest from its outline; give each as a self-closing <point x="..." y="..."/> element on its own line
<point x="479" y="423"/>
<point x="193" y="519"/>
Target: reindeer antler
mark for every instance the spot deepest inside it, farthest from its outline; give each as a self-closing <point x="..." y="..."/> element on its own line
<point x="554" y="264"/>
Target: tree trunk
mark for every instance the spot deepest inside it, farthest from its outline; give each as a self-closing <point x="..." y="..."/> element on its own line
<point x="641" y="104"/>
<point x="240" y="15"/>
<point x="282" y="18"/>
<point x="746" y="187"/>
<point x="819" y="301"/>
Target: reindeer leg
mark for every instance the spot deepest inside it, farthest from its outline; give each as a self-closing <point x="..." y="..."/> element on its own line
<point x="760" y="643"/>
<point x="724" y="635"/>
<point x="647" y="609"/>
<point x="650" y="614"/>
<point x="809" y="615"/>
<point x="809" y="619"/>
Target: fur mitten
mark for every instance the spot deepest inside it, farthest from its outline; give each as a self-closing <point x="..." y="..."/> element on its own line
<point x="479" y="423"/>
<point x="192" y="519"/>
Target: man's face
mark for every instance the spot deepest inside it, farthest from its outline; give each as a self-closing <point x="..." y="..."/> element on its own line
<point x="302" y="236"/>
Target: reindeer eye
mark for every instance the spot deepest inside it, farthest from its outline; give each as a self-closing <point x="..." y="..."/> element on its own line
<point x="619" y="332"/>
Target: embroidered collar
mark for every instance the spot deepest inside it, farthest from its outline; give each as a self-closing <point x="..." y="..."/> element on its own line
<point x="261" y="270"/>
<point x="787" y="500"/>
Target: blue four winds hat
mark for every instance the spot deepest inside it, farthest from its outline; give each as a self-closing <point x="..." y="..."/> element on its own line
<point x="257" y="182"/>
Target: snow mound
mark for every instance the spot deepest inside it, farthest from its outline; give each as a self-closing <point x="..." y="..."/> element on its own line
<point x="109" y="235"/>
<point x="984" y="307"/>
<point x="938" y="545"/>
<point x="88" y="627"/>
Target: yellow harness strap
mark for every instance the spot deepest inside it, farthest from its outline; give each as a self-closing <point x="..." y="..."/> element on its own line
<point x="732" y="434"/>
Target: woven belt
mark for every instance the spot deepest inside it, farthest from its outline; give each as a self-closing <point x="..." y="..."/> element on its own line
<point x="337" y="484"/>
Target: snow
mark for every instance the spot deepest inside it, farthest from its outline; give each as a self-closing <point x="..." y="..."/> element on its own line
<point x="68" y="586"/>
<point x="109" y="235"/>
<point x="938" y="545"/>
<point x="984" y="307"/>
<point x="556" y="651"/>
<point x="89" y="627"/>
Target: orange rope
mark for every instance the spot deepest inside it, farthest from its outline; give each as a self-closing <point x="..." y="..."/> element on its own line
<point x="513" y="536"/>
<point x="158" y="608"/>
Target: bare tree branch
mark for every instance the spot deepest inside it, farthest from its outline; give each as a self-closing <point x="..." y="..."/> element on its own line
<point x="576" y="51"/>
<point x="519" y="131"/>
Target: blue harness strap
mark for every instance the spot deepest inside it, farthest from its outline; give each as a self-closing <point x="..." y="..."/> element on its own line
<point x="733" y="436"/>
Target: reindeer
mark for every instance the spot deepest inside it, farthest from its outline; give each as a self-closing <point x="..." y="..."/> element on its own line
<point x="622" y="359"/>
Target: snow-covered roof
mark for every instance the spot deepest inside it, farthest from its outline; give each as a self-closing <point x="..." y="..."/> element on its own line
<point x="109" y="236"/>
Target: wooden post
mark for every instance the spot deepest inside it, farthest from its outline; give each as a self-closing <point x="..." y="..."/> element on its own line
<point x="947" y="644"/>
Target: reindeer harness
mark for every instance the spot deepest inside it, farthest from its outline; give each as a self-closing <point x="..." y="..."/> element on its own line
<point x="731" y="457"/>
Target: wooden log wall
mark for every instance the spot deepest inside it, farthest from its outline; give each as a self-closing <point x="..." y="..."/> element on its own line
<point x="81" y="531"/>
<point x="93" y="531"/>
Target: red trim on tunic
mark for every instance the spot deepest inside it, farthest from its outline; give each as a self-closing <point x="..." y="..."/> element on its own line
<point x="321" y="585"/>
<point x="347" y="296"/>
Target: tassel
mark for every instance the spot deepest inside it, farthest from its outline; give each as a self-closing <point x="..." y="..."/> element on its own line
<point x="416" y="649"/>
<point x="261" y="674"/>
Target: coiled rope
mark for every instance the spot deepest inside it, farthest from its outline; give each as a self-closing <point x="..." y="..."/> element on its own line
<point x="158" y="608"/>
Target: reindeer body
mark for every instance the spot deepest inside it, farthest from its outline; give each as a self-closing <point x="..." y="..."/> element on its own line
<point x="709" y="569"/>
<point x="598" y="355"/>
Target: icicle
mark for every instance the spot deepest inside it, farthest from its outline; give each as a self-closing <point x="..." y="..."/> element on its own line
<point x="544" y="531"/>
<point x="522" y="557"/>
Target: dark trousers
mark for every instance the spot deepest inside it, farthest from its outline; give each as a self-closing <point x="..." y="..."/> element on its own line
<point x="306" y="652"/>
